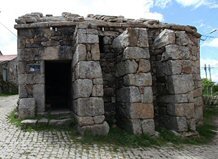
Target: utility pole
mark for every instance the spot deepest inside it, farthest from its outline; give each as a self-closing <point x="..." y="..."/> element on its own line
<point x="209" y="69"/>
<point x="205" y="69"/>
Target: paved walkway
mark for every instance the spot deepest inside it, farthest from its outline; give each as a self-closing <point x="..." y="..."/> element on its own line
<point x="17" y="144"/>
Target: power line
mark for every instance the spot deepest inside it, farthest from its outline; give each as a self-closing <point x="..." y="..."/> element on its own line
<point x="8" y="29"/>
<point x="208" y="35"/>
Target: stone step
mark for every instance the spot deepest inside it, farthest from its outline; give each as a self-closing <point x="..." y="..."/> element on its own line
<point x="57" y="114"/>
<point x="46" y="122"/>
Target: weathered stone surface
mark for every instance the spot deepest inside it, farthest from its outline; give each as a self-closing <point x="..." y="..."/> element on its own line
<point x="126" y="67"/>
<point x="22" y="91"/>
<point x="132" y="37"/>
<point x="121" y="41"/>
<point x="147" y="96"/>
<point x="175" y="52"/>
<point x="141" y="79"/>
<point x="129" y="94"/>
<point x="142" y="37"/>
<point x="107" y="40"/>
<point x="199" y="114"/>
<point x="92" y="106"/>
<point x="80" y="54"/>
<point x="182" y="38"/>
<point x="199" y="101"/>
<point x="166" y="37"/>
<point x="178" y="98"/>
<point x="99" y="119"/>
<point x="56" y="52"/>
<point x="97" y="129"/>
<point x="178" y="123"/>
<point x="179" y="84"/>
<point x="191" y="124"/>
<point x="136" y="53"/>
<point x="97" y="81"/>
<point x="97" y="91"/>
<point x="28" y="122"/>
<point x="131" y="125"/>
<point x="83" y="121"/>
<point x="39" y="96"/>
<point x="175" y="67"/>
<point x="26" y="108"/>
<point x="60" y="122"/>
<point x="172" y="67"/>
<point x="31" y="79"/>
<point x="88" y="69"/>
<point x="144" y="66"/>
<point x="148" y="126"/>
<point x="186" y="110"/>
<point x="84" y="37"/>
<point x="42" y="121"/>
<point x="82" y="88"/>
<point x="137" y="110"/>
<point x="135" y="126"/>
<point x="95" y="52"/>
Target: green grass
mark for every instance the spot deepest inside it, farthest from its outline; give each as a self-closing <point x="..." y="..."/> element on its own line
<point x="7" y="94"/>
<point x="119" y="137"/>
<point x="116" y="137"/>
<point x="13" y="119"/>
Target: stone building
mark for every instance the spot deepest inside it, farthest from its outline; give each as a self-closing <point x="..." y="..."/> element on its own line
<point x="8" y="74"/>
<point x="138" y="74"/>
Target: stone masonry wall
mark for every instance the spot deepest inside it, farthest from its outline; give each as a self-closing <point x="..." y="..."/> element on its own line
<point x="134" y="91"/>
<point x="36" y="45"/>
<point x="107" y="61"/>
<point x="175" y="85"/>
<point x="138" y="74"/>
<point x="88" y="103"/>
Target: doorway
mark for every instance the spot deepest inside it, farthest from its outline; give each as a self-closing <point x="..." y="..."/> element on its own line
<point x="58" y="85"/>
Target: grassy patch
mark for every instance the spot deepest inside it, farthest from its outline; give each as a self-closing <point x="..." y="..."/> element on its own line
<point x="13" y="118"/>
<point x="7" y="94"/>
<point x="119" y="137"/>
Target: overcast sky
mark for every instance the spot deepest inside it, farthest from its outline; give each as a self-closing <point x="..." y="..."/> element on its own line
<point x="200" y="13"/>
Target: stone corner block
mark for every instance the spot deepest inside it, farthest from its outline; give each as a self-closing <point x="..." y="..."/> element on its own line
<point x="96" y="130"/>
<point x="126" y="67"/>
<point x="148" y="126"/>
<point x="133" y="37"/>
<point x="166" y="37"/>
<point x="129" y="94"/>
<point x="88" y="69"/>
<point x="92" y="106"/>
<point x="82" y="88"/>
<point x="26" y="108"/>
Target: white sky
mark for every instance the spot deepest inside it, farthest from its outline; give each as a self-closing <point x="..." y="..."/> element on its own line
<point x="11" y="9"/>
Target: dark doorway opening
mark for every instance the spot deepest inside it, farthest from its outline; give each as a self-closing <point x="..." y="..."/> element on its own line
<point x="58" y="85"/>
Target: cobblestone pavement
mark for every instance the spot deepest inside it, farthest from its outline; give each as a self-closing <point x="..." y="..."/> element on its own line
<point x="15" y="143"/>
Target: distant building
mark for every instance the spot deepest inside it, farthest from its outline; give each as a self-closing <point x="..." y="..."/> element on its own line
<point x="8" y="73"/>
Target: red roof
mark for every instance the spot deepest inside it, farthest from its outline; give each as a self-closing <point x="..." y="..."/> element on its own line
<point x="4" y="58"/>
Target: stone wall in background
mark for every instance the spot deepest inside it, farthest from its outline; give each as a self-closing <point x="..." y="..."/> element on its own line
<point x="8" y="79"/>
<point x="139" y="74"/>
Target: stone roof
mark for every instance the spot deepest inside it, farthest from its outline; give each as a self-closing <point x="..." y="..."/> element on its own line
<point x="4" y="58"/>
<point x="67" y="19"/>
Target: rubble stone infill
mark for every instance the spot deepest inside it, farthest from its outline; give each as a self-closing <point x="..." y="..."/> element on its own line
<point x="15" y="143"/>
